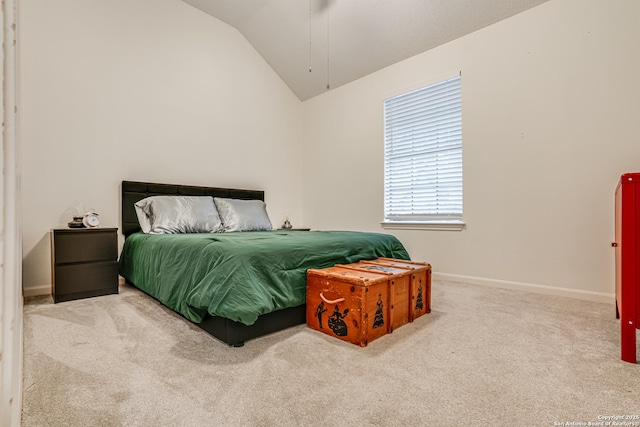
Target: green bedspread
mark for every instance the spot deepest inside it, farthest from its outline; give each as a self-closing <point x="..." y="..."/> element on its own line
<point x="241" y="275"/>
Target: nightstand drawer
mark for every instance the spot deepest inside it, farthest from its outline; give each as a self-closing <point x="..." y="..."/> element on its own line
<point x="73" y="246"/>
<point x="73" y="281"/>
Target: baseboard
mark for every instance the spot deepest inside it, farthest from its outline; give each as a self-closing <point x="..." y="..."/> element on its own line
<point x="36" y="291"/>
<point x="46" y="289"/>
<point x="504" y="284"/>
<point x="529" y="287"/>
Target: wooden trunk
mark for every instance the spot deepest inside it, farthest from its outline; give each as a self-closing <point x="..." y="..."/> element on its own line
<point x="419" y="284"/>
<point x="348" y="304"/>
<point x="399" y="282"/>
<point x="360" y="302"/>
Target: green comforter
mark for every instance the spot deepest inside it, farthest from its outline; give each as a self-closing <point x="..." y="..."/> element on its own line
<point x="241" y="275"/>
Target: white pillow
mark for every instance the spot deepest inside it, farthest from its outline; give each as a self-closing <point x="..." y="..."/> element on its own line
<point x="243" y="215"/>
<point x="178" y="214"/>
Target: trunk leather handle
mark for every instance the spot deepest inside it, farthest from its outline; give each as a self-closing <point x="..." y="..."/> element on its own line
<point x="329" y="301"/>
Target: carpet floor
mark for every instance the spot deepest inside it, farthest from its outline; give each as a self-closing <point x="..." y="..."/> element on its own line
<point x="483" y="356"/>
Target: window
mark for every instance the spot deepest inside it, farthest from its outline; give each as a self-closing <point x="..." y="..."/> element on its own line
<point x="423" y="157"/>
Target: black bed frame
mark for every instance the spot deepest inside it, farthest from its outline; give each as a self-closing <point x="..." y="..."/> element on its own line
<point x="229" y="331"/>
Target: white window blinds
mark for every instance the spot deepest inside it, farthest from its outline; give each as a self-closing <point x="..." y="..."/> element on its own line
<point x="423" y="154"/>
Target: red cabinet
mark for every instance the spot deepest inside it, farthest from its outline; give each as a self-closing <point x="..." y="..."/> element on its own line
<point x="627" y="246"/>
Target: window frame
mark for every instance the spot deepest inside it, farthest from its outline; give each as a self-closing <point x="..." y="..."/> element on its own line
<point x="447" y="221"/>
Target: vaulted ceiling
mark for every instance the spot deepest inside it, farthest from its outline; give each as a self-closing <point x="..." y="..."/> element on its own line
<point x="313" y="44"/>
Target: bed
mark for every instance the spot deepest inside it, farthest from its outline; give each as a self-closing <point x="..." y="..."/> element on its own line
<point x="235" y="285"/>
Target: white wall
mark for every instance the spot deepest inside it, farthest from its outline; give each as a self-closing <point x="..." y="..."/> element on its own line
<point x="155" y="90"/>
<point x="149" y="90"/>
<point x="550" y="121"/>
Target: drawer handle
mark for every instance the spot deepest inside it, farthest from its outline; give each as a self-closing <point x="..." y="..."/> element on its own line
<point x="329" y="301"/>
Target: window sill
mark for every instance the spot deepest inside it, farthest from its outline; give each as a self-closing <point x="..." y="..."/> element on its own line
<point x="426" y="225"/>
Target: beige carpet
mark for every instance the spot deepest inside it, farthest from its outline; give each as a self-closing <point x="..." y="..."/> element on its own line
<point x="484" y="356"/>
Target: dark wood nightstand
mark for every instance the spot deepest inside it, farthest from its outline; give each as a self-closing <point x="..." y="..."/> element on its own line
<point x="84" y="263"/>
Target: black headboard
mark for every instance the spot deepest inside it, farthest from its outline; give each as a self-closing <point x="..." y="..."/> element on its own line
<point x="133" y="191"/>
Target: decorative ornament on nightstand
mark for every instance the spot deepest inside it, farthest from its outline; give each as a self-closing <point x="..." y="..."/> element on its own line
<point x="286" y="225"/>
<point x="76" y="222"/>
<point x="91" y="219"/>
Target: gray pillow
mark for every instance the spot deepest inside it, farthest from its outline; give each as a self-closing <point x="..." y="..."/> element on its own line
<point x="243" y="215"/>
<point x="178" y="214"/>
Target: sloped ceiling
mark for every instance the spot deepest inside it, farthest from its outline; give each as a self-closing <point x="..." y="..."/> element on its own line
<point x="344" y="40"/>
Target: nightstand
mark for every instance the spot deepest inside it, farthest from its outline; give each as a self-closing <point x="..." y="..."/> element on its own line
<point x="84" y="263"/>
